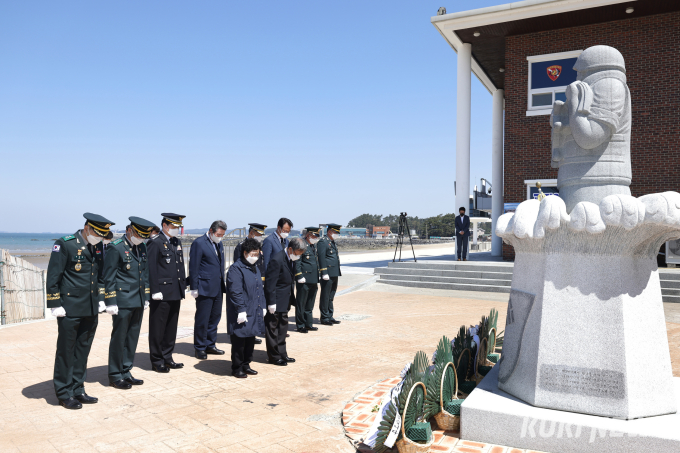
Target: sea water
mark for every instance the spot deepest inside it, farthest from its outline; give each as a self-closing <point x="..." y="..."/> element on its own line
<point x="29" y="242"/>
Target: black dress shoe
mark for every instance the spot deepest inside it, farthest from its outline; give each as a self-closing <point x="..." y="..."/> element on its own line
<point x="302" y="330"/>
<point x="214" y="351"/>
<point x="174" y="365"/>
<point x="240" y="374"/>
<point x="289" y="359"/>
<point x="86" y="399"/>
<point x="133" y="381"/>
<point x="71" y="403"/>
<point x="250" y="371"/>
<point x="326" y="323"/>
<point x="279" y="362"/>
<point x="160" y="369"/>
<point x="121" y="385"/>
<point x="201" y="355"/>
<point x="335" y="321"/>
<point x="258" y="341"/>
<point x="287" y="335"/>
<point x="313" y="329"/>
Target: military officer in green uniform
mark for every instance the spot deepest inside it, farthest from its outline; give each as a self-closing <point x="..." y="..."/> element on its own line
<point x="126" y="280"/>
<point x="307" y="278"/>
<point x="329" y="267"/>
<point x="75" y="289"/>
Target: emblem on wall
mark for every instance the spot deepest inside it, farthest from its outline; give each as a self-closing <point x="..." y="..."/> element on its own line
<point x="554" y="71"/>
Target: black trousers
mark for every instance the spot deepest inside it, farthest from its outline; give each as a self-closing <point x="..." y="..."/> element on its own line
<point x="163" y="317"/>
<point x="462" y="246"/>
<point x="241" y="352"/>
<point x="208" y="315"/>
<point x="276" y="329"/>
<point x="73" y="347"/>
<point x="305" y="296"/>
<point x="123" y="345"/>
<point x="328" y="290"/>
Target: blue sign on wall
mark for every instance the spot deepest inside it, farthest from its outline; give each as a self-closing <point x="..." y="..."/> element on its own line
<point x="553" y="73"/>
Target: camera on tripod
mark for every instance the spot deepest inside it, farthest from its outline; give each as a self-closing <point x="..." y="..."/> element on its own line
<point x="403" y="229"/>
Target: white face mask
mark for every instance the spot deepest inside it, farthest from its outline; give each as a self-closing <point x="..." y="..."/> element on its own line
<point x="259" y="238"/>
<point x="283" y="235"/>
<point x="252" y="259"/>
<point x="94" y="240"/>
<point x="215" y="239"/>
<point x="333" y="236"/>
<point x="313" y="241"/>
<point x="294" y="257"/>
<point x="173" y="232"/>
<point x="136" y="240"/>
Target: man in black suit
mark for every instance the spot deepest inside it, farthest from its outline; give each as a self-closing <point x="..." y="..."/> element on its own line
<point x="462" y="234"/>
<point x="206" y="277"/>
<point x="279" y="294"/>
<point x="167" y="281"/>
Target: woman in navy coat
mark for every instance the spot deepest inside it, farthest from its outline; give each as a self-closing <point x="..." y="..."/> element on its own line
<point x="245" y="307"/>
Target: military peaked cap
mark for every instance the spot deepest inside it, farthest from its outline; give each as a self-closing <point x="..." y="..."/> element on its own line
<point x="175" y="219"/>
<point x="314" y="230"/>
<point x="258" y="227"/>
<point x="334" y="226"/>
<point x="142" y="226"/>
<point x="100" y="225"/>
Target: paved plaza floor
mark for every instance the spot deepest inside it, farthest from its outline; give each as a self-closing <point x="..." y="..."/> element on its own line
<point x="203" y="408"/>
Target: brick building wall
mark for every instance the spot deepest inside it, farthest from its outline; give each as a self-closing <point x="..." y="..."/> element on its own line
<point x="651" y="48"/>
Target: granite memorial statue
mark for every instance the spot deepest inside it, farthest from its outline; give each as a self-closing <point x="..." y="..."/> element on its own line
<point x="585" y="330"/>
<point x="591" y="130"/>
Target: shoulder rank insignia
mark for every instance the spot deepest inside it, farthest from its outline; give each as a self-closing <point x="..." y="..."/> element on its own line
<point x="117" y="241"/>
<point x="68" y="238"/>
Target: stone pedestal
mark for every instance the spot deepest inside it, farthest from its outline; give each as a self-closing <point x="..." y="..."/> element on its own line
<point x="585" y="329"/>
<point x="493" y="416"/>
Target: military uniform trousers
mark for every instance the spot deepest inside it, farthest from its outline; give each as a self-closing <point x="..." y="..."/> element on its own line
<point x="276" y="329"/>
<point x="123" y="345"/>
<point x="73" y="347"/>
<point x="163" y="317"/>
<point x="328" y="289"/>
<point x="206" y="320"/>
<point x="241" y="352"/>
<point x="305" y="296"/>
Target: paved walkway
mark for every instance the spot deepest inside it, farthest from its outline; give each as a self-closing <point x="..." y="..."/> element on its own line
<point x="202" y="408"/>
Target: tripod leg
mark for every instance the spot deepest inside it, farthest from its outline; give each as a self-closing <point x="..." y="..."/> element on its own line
<point x="411" y="242"/>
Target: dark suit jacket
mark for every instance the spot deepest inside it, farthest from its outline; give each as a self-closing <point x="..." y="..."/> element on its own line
<point x="272" y="245"/>
<point x="166" y="267"/>
<point x="245" y="295"/>
<point x="462" y="225"/>
<point x="278" y="282"/>
<point x="206" y="268"/>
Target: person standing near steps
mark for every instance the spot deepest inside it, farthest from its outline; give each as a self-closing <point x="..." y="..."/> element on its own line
<point x="329" y="267"/>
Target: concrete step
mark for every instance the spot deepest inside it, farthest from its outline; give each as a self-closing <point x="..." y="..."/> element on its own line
<point x="449" y="286"/>
<point x="435" y="279"/>
<point x="456" y="266"/>
<point x="669" y="274"/>
<point x="444" y="273"/>
<point x="670" y="292"/>
<point x="670" y="284"/>
<point x="673" y="299"/>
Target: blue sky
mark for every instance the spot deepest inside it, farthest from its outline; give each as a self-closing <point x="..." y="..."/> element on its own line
<point x="243" y="111"/>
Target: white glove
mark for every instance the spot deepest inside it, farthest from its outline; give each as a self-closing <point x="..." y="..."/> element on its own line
<point x="146" y="304"/>
<point x="272" y="309"/>
<point x="59" y="312"/>
<point x="326" y="277"/>
<point x="112" y="309"/>
<point x="194" y="293"/>
<point x="102" y="307"/>
<point x="264" y="312"/>
<point x="302" y="280"/>
<point x="157" y="296"/>
<point x="242" y="317"/>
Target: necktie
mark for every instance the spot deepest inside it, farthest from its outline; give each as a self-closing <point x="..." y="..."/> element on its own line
<point x="134" y="250"/>
<point x="282" y="241"/>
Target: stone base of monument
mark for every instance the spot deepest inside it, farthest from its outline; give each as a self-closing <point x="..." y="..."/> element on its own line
<point x="492" y="416"/>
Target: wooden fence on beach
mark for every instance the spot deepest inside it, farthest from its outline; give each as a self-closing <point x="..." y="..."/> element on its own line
<point x="22" y="290"/>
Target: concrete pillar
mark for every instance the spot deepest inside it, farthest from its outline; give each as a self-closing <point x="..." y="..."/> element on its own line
<point x="463" y="100"/>
<point x="496" y="169"/>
